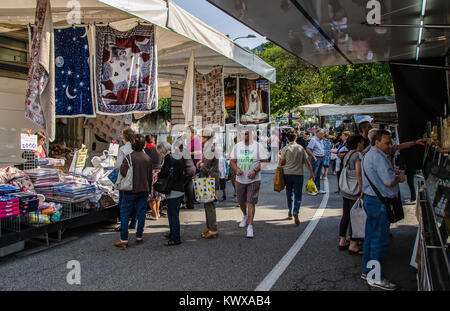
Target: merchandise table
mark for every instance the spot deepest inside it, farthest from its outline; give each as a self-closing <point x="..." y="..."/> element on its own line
<point x="29" y="232"/>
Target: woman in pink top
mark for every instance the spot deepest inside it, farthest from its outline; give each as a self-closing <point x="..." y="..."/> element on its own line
<point x="40" y="152"/>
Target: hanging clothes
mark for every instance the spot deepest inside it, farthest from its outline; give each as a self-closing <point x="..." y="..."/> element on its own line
<point x="40" y="92"/>
<point x="73" y="96"/>
<point x="126" y="70"/>
<point x="209" y="97"/>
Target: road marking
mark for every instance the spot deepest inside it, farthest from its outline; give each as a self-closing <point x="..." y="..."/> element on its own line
<point x="281" y="266"/>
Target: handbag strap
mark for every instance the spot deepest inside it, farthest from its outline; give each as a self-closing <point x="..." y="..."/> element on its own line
<point x="130" y="163"/>
<point x="382" y="199"/>
<point x="348" y="159"/>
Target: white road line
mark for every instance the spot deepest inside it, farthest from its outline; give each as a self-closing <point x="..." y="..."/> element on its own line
<point x="281" y="266"/>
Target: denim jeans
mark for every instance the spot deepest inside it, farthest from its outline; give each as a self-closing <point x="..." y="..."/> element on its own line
<point x="130" y="202"/>
<point x="376" y="239"/>
<point x="173" y="213"/>
<point x="317" y="170"/>
<point x="132" y="212"/>
<point x="294" y="186"/>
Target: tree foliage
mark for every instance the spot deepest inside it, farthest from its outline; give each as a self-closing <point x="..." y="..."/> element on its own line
<point x="299" y="83"/>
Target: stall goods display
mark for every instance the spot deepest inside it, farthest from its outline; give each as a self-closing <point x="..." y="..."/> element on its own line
<point x="29" y="202"/>
<point x="47" y="213"/>
<point x="15" y="177"/>
<point x="7" y="189"/>
<point x="9" y="207"/>
<point x="74" y="192"/>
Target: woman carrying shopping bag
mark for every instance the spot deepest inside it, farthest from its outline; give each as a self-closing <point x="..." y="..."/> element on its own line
<point x="209" y="168"/>
<point x="292" y="158"/>
<point x="350" y="184"/>
<point x="136" y="183"/>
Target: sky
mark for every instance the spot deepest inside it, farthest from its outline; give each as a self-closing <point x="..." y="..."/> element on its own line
<point x="221" y="21"/>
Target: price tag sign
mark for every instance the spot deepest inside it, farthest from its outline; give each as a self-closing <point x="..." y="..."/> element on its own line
<point x="28" y="142"/>
<point x="81" y="159"/>
<point x="113" y="149"/>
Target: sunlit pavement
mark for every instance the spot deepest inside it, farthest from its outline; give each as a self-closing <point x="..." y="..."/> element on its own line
<point x="230" y="262"/>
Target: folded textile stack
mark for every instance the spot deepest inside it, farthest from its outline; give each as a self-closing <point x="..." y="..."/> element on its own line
<point x="73" y="192"/>
<point x="7" y="189"/>
<point x="43" y="177"/>
<point x="9" y="207"/>
<point x="29" y="202"/>
<point x="44" y="180"/>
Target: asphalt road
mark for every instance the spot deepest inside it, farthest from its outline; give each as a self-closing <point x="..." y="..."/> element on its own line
<point x="230" y="262"/>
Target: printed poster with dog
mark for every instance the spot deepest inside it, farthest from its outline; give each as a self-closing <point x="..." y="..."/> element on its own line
<point x="254" y="101"/>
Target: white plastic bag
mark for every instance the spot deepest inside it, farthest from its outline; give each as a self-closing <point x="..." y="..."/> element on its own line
<point x="358" y="219"/>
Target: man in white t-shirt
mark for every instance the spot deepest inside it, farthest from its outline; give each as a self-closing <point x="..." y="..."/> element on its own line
<point x="246" y="159"/>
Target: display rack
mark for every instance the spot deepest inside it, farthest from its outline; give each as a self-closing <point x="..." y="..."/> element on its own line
<point x="433" y="240"/>
<point x="11" y="224"/>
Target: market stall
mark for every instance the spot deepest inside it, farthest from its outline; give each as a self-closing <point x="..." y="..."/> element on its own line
<point x="95" y="93"/>
<point x="413" y="37"/>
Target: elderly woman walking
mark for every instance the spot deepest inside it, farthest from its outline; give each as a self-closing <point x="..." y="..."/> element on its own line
<point x="209" y="167"/>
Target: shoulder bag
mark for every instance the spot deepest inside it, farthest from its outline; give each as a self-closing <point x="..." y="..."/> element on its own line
<point x="394" y="206"/>
<point x="126" y="183"/>
<point x="163" y="185"/>
<point x="348" y="182"/>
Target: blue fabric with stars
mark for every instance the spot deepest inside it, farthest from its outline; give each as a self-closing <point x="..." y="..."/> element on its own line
<point x="73" y="96"/>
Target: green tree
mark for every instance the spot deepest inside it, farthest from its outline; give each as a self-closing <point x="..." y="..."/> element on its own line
<point x="349" y="84"/>
<point x="299" y="83"/>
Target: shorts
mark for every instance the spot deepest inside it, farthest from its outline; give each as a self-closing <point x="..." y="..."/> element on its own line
<point x="222" y="184"/>
<point x="248" y="193"/>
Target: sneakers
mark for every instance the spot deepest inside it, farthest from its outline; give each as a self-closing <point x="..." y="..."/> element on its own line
<point x="364" y="276"/>
<point x="250" y="231"/>
<point x="322" y="192"/>
<point x="243" y="222"/>
<point x="224" y="199"/>
<point x="325" y="178"/>
<point x="384" y="284"/>
<point x="409" y="201"/>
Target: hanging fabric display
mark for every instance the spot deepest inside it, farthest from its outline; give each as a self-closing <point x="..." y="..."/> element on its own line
<point x="230" y="100"/>
<point x="254" y="98"/>
<point x="108" y="127"/>
<point x="39" y="99"/>
<point x="209" y="97"/>
<point x="177" y="115"/>
<point x="73" y="96"/>
<point x="126" y="70"/>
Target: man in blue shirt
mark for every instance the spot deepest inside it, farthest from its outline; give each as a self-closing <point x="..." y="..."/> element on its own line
<point x="316" y="153"/>
<point x="378" y="167"/>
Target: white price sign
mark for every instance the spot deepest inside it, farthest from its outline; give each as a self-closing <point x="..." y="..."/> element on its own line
<point x="28" y="142"/>
<point x="113" y="149"/>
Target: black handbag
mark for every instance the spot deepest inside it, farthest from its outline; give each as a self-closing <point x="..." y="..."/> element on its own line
<point x="394" y="206"/>
<point x="164" y="185"/>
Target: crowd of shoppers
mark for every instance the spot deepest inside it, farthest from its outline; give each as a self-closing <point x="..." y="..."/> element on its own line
<point x="362" y="161"/>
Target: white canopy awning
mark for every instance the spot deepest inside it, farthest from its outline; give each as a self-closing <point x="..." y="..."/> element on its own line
<point x="331" y="110"/>
<point x="177" y="34"/>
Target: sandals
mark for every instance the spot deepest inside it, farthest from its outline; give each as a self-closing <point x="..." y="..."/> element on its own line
<point x="343" y="247"/>
<point x="357" y="253"/>
<point x="172" y="243"/>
